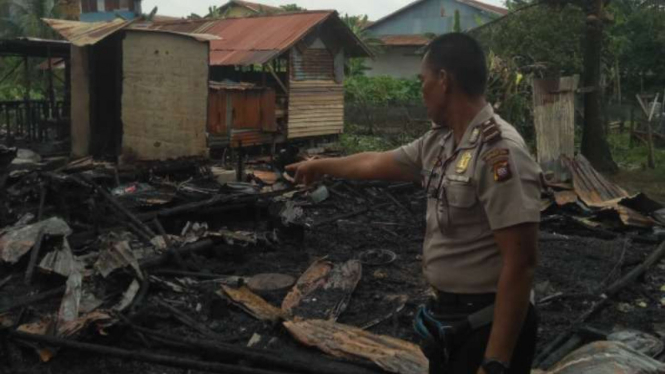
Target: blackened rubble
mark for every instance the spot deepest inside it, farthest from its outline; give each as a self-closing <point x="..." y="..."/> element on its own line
<point x="126" y="269"/>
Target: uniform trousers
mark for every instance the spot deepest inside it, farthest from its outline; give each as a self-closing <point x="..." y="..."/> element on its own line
<point x="468" y="349"/>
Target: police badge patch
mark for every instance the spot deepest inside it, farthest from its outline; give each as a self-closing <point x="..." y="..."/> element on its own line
<point x="502" y="171"/>
<point x="463" y="162"/>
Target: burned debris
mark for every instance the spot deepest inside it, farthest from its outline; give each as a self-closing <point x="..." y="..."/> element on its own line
<point x="166" y="256"/>
<point x="173" y="263"/>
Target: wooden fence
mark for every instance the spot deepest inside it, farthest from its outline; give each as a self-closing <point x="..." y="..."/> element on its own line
<point x="34" y="120"/>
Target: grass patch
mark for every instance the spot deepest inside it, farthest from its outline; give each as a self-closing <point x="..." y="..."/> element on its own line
<point x="356" y="139"/>
<point x="634" y="176"/>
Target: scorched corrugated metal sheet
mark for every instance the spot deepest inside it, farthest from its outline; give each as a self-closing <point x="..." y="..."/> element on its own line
<point x="253" y="40"/>
<point x="590" y="185"/>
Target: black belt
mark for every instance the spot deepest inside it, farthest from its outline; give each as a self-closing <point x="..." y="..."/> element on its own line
<point x="458" y="299"/>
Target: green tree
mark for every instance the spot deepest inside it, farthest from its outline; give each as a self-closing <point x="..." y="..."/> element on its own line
<point x="538" y="39"/>
<point x="292" y="8"/>
<point x="457" y="27"/>
<point x="25" y="18"/>
<point x="558" y="39"/>
<point x="638" y="30"/>
<point x="358" y="25"/>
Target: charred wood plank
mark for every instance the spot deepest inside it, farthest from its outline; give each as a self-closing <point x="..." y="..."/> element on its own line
<point x="5" y="280"/>
<point x="605" y="298"/>
<point x="42" y="200"/>
<point x="397" y="202"/>
<point x="629" y="278"/>
<point x="301" y="363"/>
<point x="159" y="359"/>
<point x="187" y="320"/>
<point x="162" y="260"/>
<point x="213" y="202"/>
<point x="32" y="299"/>
<point x="347" y="215"/>
<point x="190" y="274"/>
<point x="115" y="204"/>
<point x="33" y="257"/>
<point x="188" y="208"/>
<point x="169" y="244"/>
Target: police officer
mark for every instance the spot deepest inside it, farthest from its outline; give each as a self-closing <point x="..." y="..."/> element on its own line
<point x="483" y="210"/>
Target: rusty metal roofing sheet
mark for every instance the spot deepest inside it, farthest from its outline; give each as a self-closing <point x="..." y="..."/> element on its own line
<point x="89" y="33"/>
<point x="590" y="185"/>
<point x="251" y="40"/>
<point x="81" y="34"/>
<point x="404" y="40"/>
<point x="597" y="192"/>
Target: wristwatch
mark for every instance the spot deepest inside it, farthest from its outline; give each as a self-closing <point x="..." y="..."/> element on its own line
<point x="494" y="366"/>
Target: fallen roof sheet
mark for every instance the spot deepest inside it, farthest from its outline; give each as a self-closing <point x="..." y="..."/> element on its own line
<point x="390" y="354"/>
<point x="590" y="185"/>
<point x="257" y="40"/>
<point x="597" y="192"/>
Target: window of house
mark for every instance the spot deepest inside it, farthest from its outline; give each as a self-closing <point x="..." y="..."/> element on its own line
<point x="112" y="5"/>
<point x="124" y="4"/>
<point x="100" y="6"/>
<point x="89" y="6"/>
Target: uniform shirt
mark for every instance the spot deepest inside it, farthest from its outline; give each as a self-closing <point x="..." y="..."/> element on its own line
<point x="488" y="182"/>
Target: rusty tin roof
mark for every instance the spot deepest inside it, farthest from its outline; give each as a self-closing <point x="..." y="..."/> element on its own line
<point x="257" y="40"/>
<point x="233" y="41"/>
<point x="82" y="34"/>
<point x="404" y="40"/>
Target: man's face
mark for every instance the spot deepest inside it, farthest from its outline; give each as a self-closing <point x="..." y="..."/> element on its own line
<point x="434" y="85"/>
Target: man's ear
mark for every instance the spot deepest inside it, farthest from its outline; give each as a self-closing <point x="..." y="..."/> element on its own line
<point x="444" y="79"/>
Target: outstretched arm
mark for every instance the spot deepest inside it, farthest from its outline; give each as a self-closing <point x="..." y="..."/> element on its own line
<point x="368" y="165"/>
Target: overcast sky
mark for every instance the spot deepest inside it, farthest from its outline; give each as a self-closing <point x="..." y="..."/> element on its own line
<point x="374" y="8"/>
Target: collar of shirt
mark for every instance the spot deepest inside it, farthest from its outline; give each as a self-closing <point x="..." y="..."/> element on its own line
<point x="481" y="117"/>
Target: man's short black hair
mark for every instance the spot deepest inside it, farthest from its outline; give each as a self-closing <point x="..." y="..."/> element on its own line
<point x="463" y="57"/>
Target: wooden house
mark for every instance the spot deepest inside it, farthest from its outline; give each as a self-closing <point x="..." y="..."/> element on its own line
<point x="179" y="88"/>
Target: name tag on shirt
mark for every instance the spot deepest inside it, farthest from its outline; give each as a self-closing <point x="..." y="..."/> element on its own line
<point x="458" y="178"/>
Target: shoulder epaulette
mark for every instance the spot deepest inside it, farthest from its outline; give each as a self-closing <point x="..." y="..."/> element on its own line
<point x="491" y="131"/>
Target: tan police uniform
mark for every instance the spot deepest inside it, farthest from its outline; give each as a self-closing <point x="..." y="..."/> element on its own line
<point x="488" y="182"/>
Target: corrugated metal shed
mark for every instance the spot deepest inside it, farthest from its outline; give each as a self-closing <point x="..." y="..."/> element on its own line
<point x="257" y="40"/>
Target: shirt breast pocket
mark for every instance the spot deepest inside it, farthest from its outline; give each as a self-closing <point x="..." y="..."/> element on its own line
<point x="461" y="196"/>
<point x="465" y="216"/>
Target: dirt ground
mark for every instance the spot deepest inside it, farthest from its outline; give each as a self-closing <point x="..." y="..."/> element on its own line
<point x="577" y="263"/>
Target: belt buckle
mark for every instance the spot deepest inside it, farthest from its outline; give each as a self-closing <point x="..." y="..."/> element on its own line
<point x="446" y="332"/>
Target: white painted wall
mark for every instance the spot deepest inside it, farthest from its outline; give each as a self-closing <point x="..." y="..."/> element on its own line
<point x="397" y="62"/>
